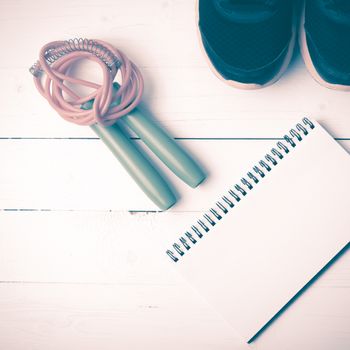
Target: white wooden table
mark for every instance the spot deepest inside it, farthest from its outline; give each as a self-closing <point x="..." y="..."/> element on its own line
<point x="78" y="264"/>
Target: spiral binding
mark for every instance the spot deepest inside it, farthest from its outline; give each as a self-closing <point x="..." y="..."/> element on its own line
<point x="229" y="200"/>
<point x="77" y="44"/>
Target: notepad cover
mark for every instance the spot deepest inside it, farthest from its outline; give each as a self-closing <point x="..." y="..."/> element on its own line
<point x="277" y="237"/>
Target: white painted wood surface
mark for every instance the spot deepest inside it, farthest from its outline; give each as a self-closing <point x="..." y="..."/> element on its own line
<point x="77" y="269"/>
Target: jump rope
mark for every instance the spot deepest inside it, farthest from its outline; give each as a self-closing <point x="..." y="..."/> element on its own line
<point x="106" y="105"/>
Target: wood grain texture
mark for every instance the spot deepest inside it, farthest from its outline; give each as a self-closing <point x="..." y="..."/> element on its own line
<point x="102" y="278"/>
<point x="77" y="270"/>
<point x="159" y="35"/>
<point x="83" y="174"/>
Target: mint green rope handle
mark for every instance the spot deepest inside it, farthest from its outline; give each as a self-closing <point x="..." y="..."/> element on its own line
<point x="165" y="148"/>
<point x="138" y="167"/>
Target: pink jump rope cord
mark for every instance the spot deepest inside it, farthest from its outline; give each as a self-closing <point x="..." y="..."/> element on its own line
<point x="56" y="59"/>
<point x="110" y="61"/>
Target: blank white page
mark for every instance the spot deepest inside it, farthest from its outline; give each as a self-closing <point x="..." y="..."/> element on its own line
<point x="284" y="231"/>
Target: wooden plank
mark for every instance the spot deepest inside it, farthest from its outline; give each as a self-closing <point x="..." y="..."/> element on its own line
<point x="98" y="276"/>
<point x="79" y="247"/>
<point x="42" y="316"/>
<point x="45" y="125"/>
<point x="94" y="247"/>
<point x="96" y="279"/>
<point x="163" y="310"/>
<point x="109" y="317"/>
<point x="83" y="174"/>
<point x="179" y="84"/>
<point x="266" y="113"/>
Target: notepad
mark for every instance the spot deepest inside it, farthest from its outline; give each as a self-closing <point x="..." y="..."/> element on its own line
<point x="271" y="232"/>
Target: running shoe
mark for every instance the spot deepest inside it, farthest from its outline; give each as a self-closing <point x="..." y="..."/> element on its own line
<point x="248" y="43"/>
<point x="325" y="41"/>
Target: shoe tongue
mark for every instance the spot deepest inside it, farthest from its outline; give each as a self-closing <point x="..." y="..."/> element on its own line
<point x="246" y="10"/>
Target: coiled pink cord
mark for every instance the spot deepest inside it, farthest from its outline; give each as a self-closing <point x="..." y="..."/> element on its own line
<point x="61" y="55"/>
